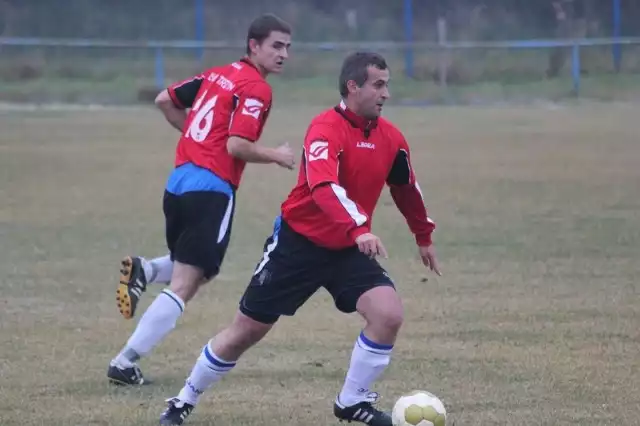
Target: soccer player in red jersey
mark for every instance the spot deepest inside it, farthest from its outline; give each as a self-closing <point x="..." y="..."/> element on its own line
<point x="228" y="107"/>
<point x="323" y="239"/>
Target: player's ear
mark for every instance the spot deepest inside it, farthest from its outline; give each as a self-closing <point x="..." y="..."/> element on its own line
<point x="352" y="86"/>
<point x="253" y="45"/>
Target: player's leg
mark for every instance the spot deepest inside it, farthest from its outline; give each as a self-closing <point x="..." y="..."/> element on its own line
<point x="135" y="273"/>
<point x="217" y="358"/>
<point x="365" y="287"/>
<point x="198" y="242"/>
<point x="281" y="283"/>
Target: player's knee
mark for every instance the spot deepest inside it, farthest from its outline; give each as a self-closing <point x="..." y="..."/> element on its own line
<point x="390" y="319"/>
<point x="382" y="309"/>
<point x="384" y="324"/>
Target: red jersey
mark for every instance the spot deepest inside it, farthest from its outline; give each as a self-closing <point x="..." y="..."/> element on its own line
<point x="230" y="100"/>
<point x="347" y="161"/>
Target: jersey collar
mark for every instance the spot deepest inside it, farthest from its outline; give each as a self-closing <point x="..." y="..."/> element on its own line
<point x="247" y="61"/>
<point x="355" y="119"/>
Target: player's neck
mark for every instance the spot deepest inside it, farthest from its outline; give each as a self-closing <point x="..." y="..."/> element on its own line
<point x="263" y="72"/>
<point x="349" y="111"/>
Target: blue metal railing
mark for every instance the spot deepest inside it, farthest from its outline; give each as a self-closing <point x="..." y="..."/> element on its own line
<point x="198" y="46"/>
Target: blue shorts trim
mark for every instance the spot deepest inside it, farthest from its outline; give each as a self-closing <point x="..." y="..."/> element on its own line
<point x="191" y="178"/>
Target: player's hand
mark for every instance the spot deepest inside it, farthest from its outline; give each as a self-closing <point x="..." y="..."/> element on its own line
<point x="428" y="255"/>
<point x="371" y="245"/>
<point x="285" y="157"/>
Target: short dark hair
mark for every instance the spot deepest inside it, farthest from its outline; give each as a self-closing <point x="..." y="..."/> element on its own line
<point x="355" y="67"/>
<point x="263" y="26"/>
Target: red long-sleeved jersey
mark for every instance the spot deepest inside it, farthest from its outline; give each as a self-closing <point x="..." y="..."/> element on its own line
<point x="347" y="161"/>
<point x="228" y="100"/>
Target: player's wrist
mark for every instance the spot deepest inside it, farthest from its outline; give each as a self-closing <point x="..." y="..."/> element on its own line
<point x="276" y="156"/>
<point x="267" y="154"/>
<point x="424" y="240"/>
<point x="356" y="232"/>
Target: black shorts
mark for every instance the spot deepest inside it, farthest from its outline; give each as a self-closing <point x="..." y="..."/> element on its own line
<point x="198" y="228"/>
<point x="293" y="268"/>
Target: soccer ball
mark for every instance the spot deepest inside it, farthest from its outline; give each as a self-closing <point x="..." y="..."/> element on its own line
<point x="419" y="408"/>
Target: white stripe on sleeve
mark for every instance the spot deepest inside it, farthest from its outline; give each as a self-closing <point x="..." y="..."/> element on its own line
<point x="348" y="205"/>
<point x="419" y="191"/>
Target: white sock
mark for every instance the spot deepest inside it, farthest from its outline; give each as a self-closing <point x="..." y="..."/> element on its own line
<point x="368" y="361"/>
<point x="158" y="270"/>
<point x="208" y="369"/>
<point x="159" y="319"/>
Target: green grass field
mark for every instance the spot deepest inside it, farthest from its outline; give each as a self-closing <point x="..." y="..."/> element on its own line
<point x="535" y="321"/>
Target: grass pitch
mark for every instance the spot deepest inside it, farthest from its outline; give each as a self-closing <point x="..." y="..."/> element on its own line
<point x="535" y="321"/>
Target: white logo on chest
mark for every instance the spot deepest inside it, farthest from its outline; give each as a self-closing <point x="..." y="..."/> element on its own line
<point x="367" y="145"/>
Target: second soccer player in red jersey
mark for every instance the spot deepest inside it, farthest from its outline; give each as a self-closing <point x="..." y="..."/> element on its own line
<point x="220" y="114"/>
<point x="323" y="239"/>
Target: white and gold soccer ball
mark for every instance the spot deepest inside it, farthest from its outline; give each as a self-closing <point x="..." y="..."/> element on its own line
<point x="419" y="408"/>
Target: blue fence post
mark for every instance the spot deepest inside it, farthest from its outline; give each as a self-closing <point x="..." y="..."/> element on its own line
<point x="159" y="68"/>
<point x="408" y="35"/>
<point x="617" y="48"/>
<point x="575" y="68"/>
<point x="199" y="27"/>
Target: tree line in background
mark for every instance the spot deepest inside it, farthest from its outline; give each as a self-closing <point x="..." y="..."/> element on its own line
<point x="317" y="20"/>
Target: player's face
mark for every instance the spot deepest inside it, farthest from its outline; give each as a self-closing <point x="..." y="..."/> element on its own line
<point x="272" y="52"/>
<point x="372" y="95"/>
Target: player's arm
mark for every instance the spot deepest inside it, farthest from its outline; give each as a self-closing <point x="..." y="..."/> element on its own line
<point x="250" y="152"/>
<point x="248" y="121"/>
<point x="321" y="157"/>
<point x="407" y="196"/>
<point x="176" y="99"/>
